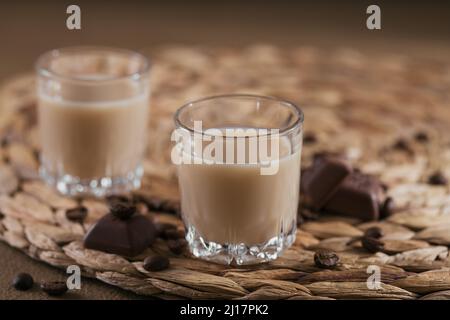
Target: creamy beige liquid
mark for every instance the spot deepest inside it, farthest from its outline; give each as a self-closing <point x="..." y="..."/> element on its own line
<point x="234" y="203"/>
<point x="91" y="139"/>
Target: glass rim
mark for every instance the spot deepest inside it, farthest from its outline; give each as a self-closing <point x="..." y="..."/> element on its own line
<point x="285" y="103"/>
<point x="45" y="71"/>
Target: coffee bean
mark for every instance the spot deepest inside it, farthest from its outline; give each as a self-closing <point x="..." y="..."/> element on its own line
<point x="162" y="227"/>
<point x="173" y="234"/>
<point x="309" y="138"/>
<point x="309" y="215"/>
<point x="387" y="208"/>
<point x="372" y="245"/>
<point x="156" y="263"/>
<point x="1" y="215"/>
<point x="54" y="288"/>
<point x="325" y="258"/>
<point x="421" y="137"/>
<point x="373" y="232"/>
<point x="177" y="246"/>
<point x="402" y="145"/>
<point x="77" y="214"/>
<point x="123" y="210"/>
<point x="117" y="198"/>
<point x="23" y="281"/>
<point x="437" y="179"/>
<point x="171" y="206"/>
<point x="153" y="203"/>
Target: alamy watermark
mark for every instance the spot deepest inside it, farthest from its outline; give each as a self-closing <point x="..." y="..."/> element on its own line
<point x="373" y="22"/>
<point x="73" y="22"/>
<point x="373" y="282"/>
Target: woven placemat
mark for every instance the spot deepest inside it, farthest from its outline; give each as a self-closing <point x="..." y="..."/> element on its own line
<point x="389" y="114"/>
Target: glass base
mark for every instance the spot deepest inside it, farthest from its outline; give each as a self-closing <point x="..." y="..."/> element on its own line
<point x="239" y="254"/>
<point x="73" y="186"/>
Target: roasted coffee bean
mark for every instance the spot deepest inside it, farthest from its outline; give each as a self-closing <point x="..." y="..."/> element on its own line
<point x="373" y="232"/>
<point x="171" y="206"/>
<point x="112" y="199"/>
<point x="372" y="245"/>
<point x="177" y="246"/>
<point x="1" y="215"/>
<point x="153" y="203"/>
<point x="123" y="210"/>
<point x="421" y="137"/>
<point x="77" y="214"/>
<point x="325" y="258"/>
<point x="309" y="138"/>
<point x="162" y="227"/>
<point x="173" y="234"/>
<point x="23" y="281"/>
<point x="402" y="145"/>
<point x="54" y="288"/>
<point x="156" y="263"/>
<point x="387" y="208"/>
<point x="309" y="215"/>
<point x="437" y="179"/>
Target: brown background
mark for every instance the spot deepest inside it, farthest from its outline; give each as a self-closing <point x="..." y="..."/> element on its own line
<point x="28" y="28"/>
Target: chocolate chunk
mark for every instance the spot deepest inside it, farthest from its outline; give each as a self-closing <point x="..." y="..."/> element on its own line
<point x="309" y="138"/>
<point x="373" y="232"/>
<point x="54" y="288"/>
<point x="124" y="237"/>
<point x="319" y="181"/>
<point x="77" y="214"/>
<point x="357" y="196"/>
<point x="421" y="137"/>
<point x="123" y="210"/>
<point x="372" y="245"/>
<point x="324" y="258"/>
<point x="177" y="246"/>
<point x="23" y="281"/>
<point x="387" y="208"/>
<point x="156" y="263"/>
<point x="437" y="179"/>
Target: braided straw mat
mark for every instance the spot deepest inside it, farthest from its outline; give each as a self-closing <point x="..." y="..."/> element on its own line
<point x="357" y="104"/>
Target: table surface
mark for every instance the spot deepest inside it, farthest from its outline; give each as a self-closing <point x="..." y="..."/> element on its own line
<point x="28" y="28"/>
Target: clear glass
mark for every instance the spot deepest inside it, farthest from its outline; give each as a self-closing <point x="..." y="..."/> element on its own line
<point x="239" y="204"/>
<point x="93" y="106"/>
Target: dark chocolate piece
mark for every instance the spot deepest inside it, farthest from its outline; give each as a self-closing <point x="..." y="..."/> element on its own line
<point x="319" y="181"/>
<point x="127" y="237"/>
<point x="358" y="196"/>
